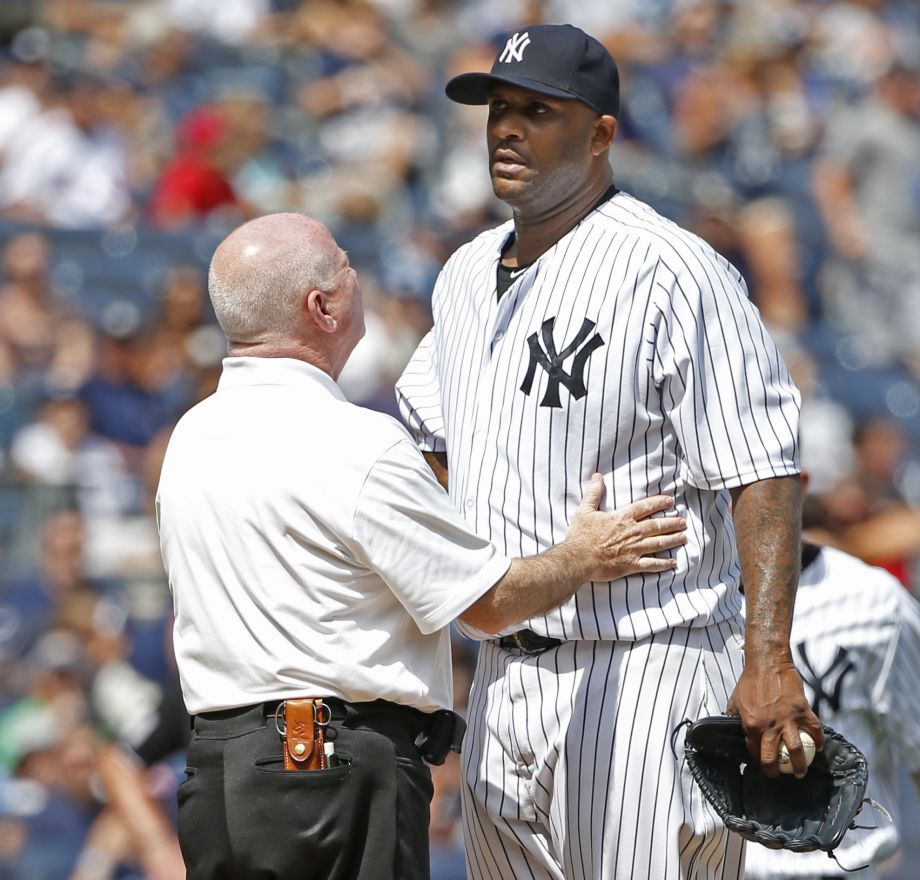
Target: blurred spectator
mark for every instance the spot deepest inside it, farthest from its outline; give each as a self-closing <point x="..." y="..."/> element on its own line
<point x="28" y="316"/>
<point x="195" y="181"/>
<point x="141" y="829"/>
<point x="233" y="21"/>
<point x="52" y="678"/>
<point x="147" y="731"/>
<point x="262" y="177"/>
<point x="48" y="752"/>
<point x="825" y="426"/>
<point x="868" y="188"/>
<point x="127" y="545"/>
<point x="865" y="513"/>
<point x="64" y="164"/>
<point x="58" y="450"/>
<point x="53" y="782"/>
<point x="20" y="86"/>
<point x="33" y="602"/>
<point x="87" y="657"/>
<point x="138" y="389"/>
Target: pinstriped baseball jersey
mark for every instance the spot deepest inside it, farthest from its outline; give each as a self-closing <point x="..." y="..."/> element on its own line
<point x="630" y="348"/>
<point x="856" y="641"/>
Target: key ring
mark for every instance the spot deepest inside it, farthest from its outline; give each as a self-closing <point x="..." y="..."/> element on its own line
<point x="316" y="716"/>
<point x="279" y="713"/>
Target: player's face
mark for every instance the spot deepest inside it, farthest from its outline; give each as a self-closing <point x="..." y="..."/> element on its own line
<point x="539" y="147"/>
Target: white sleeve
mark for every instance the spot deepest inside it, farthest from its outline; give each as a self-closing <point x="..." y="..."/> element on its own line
<point x="724" y="387"/>
<point x="418" y="393"/>
<point x="407" y="531"/>
<point x="898" y="696"/>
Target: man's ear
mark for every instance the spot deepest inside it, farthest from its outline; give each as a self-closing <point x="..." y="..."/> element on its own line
<point x="316" y="305"/>
<point x="605" y="129"/>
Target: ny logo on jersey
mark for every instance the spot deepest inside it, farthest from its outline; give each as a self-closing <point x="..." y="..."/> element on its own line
<point x="514" y="48"/>
<point x="551" y="361"/>
<point x="826" y="686"/>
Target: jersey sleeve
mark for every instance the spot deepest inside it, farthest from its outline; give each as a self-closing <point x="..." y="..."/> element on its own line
<point x="723" y="384"/>
<point x="408" y="532"/>
<point x="898" y="694"/>
<point x="418" y="393"/>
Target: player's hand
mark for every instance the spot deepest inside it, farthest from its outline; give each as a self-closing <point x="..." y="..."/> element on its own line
<point x="770" y="700"/>
<point x="625" y="541"/>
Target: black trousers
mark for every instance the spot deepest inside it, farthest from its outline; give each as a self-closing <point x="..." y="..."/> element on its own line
<point x="242" y="816"/>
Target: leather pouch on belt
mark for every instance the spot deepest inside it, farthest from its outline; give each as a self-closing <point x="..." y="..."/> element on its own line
<point x="303" y="739"/>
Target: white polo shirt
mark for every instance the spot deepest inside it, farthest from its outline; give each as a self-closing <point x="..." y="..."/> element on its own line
<point x="309" y="549"/>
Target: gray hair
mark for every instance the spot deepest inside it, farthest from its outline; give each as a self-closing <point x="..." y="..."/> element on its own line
<point x="260" y="271"/>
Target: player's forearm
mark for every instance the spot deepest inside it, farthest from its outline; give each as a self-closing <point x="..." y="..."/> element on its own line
<point x="767" y="517"/>
<point x="531" y="587"/>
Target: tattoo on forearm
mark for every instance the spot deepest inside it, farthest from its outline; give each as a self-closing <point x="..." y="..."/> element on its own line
<point x="768" y="533"/>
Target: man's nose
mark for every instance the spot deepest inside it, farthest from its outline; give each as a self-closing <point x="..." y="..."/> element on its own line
<point x="506" y="126"/>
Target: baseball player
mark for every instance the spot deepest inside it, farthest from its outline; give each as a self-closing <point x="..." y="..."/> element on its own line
<point x="856" y="640"/>
<point x="590" y="334"/>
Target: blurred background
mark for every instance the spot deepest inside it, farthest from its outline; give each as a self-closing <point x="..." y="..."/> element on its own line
<point x="134" y="135"/>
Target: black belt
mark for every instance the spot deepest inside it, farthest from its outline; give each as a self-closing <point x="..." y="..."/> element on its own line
<point x="529" y="642"/>
<point x="435" y="734"/>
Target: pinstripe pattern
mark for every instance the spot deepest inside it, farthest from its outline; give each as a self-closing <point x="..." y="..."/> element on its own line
<point x="582" y="779"/>
<point x="688" y="395"/>
<point x="844" y="605"/>
<point x="569" y="773"/>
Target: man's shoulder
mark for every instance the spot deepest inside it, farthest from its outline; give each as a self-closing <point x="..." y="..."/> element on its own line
<point x="340" y="422"/>
<point x="679" y="248"/>
<point x="365" y="434"/>
<point x="378" y="429"/>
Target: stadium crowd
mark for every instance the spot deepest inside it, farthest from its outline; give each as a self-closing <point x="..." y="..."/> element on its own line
<point x="133" y="135"/>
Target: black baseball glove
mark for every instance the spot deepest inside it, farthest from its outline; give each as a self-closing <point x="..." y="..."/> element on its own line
<point x="782" y="813"/>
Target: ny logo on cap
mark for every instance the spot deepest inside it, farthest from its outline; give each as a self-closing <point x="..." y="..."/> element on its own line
<point x="514" y="48"/>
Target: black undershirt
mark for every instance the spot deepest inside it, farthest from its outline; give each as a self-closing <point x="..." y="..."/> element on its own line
<point x="507" y="275"/>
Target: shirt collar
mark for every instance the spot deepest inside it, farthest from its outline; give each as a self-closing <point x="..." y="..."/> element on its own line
<point x="240" y="372"/>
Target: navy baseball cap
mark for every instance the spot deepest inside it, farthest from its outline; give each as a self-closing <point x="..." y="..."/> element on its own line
<point x="553" y="59"/>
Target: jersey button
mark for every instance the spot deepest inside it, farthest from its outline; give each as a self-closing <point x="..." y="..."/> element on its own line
<point x="470" y="503"/>
<point x="499" y="335"/>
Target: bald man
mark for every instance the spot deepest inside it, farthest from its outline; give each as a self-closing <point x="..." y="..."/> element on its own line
<point x="315" y="565"/>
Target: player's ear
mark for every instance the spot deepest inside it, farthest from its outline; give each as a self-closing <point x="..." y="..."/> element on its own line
<point x="317" y="310"/>
<point x="605" y="129"/>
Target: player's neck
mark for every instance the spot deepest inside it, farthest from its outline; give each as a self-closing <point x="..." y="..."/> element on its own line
<point x="535" y="233"/>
